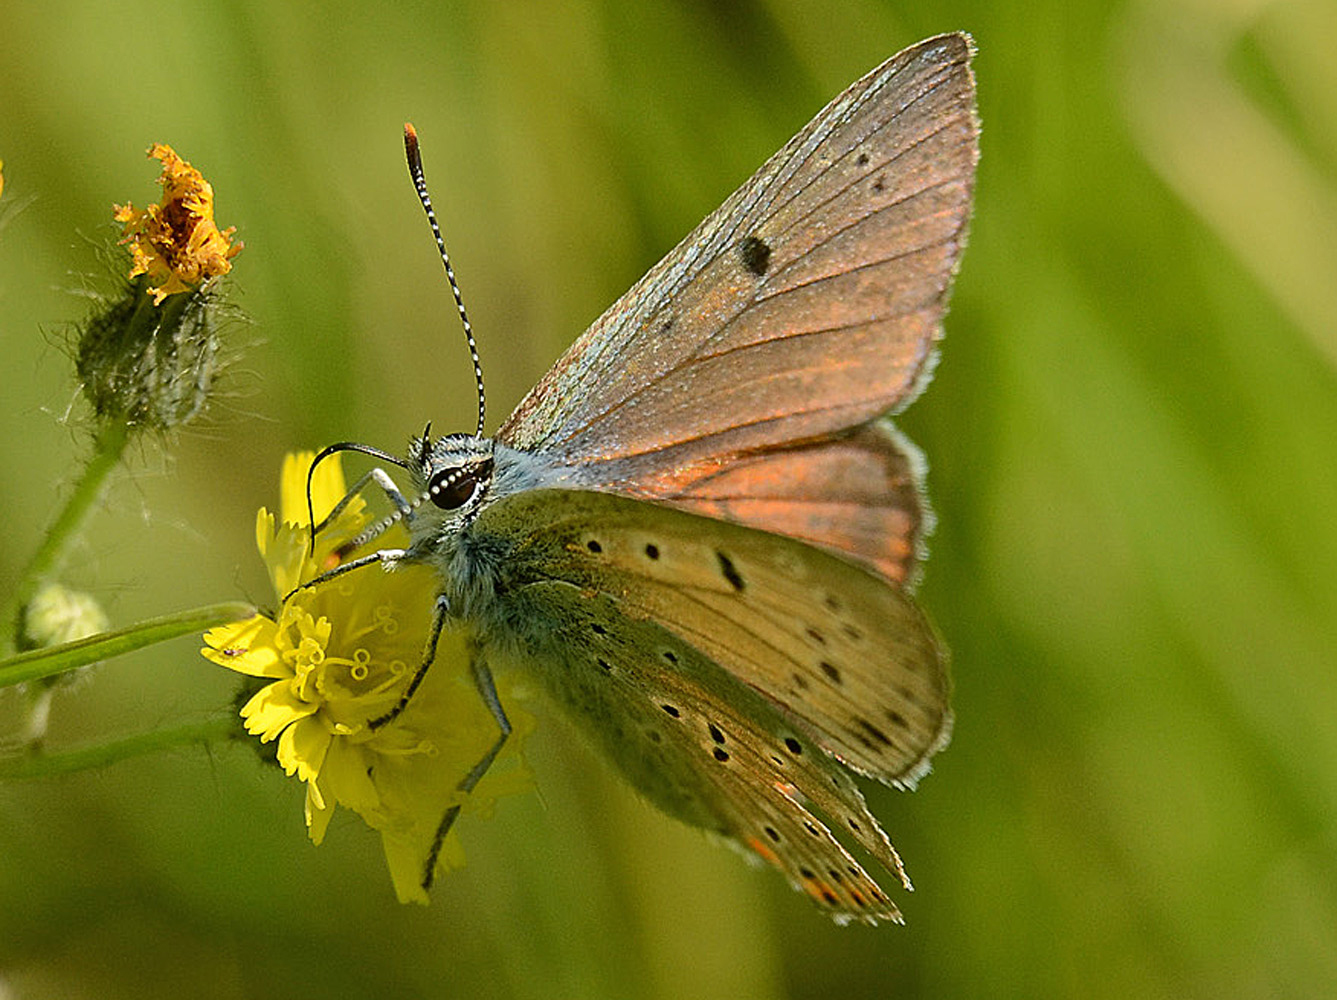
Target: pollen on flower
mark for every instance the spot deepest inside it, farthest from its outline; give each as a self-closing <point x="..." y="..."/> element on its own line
<point x="176" y="242"/>
<point x="340" y="654"/>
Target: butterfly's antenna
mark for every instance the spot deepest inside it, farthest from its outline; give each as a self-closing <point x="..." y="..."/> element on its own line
<point x="420" y="183"/>
<point x="334" y="449"/>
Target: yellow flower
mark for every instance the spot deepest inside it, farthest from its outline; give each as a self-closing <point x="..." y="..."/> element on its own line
<point x="176" y="243"/>
<point x="340" y="654"/>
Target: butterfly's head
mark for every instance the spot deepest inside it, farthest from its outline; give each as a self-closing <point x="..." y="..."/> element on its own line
<point x="451" y="477"/>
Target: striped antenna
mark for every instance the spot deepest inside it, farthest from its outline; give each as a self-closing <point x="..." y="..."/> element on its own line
<point x="420" y="183"/>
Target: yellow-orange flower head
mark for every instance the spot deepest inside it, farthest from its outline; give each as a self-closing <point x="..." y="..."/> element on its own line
<point x="176" y="242"/>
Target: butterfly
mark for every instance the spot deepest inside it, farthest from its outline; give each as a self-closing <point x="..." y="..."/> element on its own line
<point x="699" y="530"/>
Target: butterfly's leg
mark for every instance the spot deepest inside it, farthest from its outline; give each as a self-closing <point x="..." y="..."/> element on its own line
<point x="383" y="480"/>
<point x="386" y="557"/>
<point x="428" y="657"/>
<point x="488" y="691"/>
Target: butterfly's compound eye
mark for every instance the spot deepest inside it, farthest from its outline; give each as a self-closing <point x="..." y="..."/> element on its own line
<point x="451" y="489"/>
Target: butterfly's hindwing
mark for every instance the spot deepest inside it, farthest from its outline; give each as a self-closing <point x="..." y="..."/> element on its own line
<point x="701" y="745"/>
<point x="843" y="653"/>
<point x="859" y="494"/>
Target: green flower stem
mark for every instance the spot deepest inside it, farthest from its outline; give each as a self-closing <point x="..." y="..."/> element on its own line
<point x="109" y="446"/>
<point x="211" y="730"/>
<point x="38" y="663"/>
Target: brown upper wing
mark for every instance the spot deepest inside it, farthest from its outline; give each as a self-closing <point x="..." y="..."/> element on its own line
<point x="807" y="304"/>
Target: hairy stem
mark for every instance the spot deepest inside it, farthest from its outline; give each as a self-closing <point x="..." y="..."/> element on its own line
<point x="51" y="660"/>
<point x="109" y="446"/>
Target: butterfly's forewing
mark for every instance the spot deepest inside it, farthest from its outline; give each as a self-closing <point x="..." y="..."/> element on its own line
<point x="653" y="625"/>
<point x="807" y="304"/>
<point x="847" y="658"/>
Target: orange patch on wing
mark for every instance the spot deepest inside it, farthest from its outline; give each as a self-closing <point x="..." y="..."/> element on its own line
<point x="765" y="852"/>
<point x="857" y="495"/>
<point x="820" y="891"/>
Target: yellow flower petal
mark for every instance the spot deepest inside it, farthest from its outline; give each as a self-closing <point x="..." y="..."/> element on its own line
<point x="405" y="859"/>
<point x="341" y="654"/>
<point x="327" y="488"/>
<point x="249" y="647"/>
<point x="273" y="709"/>
<point x="303" y="746"/>
<point x="346" y="769"/>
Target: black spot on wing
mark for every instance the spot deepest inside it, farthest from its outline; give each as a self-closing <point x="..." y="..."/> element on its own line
<point x="756" y="255"/>
<point x="730" y="572"/>
<point x="874" y="732"/>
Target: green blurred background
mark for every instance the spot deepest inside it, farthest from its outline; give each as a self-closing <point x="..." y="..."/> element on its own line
<point x="1133" y="439"/>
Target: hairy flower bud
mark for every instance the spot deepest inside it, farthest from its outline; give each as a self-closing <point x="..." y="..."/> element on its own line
<point x="148" y="357"/>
